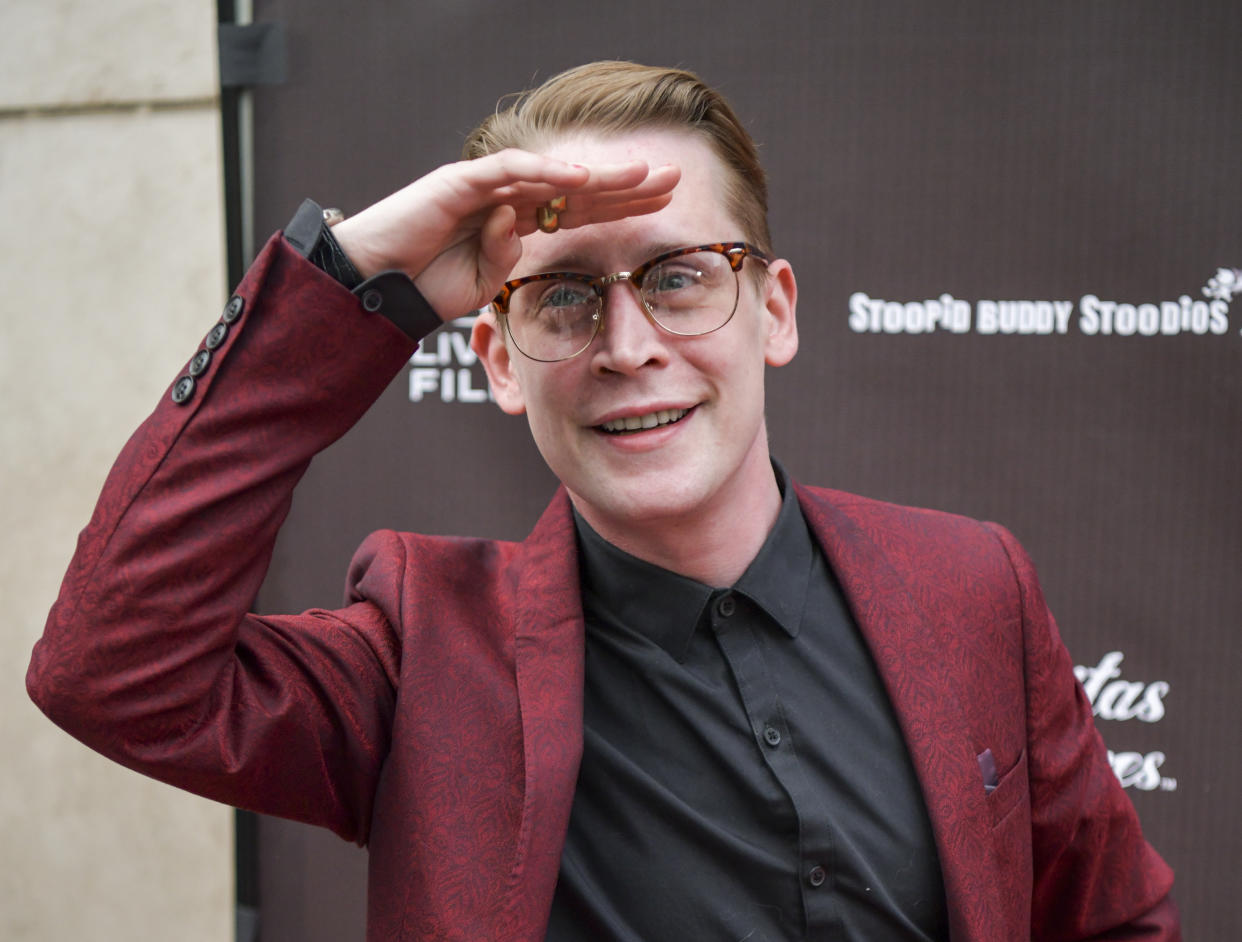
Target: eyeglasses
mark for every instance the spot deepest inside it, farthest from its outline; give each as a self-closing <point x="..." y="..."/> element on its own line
<point x="688" y="292"/>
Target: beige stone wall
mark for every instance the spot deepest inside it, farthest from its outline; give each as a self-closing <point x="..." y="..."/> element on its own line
<point x="111" y="252"/>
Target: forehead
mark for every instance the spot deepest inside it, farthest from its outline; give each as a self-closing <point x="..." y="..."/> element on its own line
<point x="697" y="213"/>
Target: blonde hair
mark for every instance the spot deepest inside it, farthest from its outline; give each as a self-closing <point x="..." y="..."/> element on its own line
<point x="616" y="97"/>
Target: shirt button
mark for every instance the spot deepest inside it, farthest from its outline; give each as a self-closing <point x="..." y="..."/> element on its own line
<point x="372" y="300"/>
<point x="233" y="309"/>
<point x="726" y="606"/>
<point x="772" y="735"/>
<point x="817" y="876"/>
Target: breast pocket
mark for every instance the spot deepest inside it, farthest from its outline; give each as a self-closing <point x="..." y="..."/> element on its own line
<point x="1012" y="869"/>
<point x="1011" y="791"/>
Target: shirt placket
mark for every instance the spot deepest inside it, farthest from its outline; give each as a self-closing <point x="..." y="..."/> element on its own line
<point x="735" y="623"/>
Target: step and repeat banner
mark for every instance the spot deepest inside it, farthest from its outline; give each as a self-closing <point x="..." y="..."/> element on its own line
<point x="1018" y="241"/>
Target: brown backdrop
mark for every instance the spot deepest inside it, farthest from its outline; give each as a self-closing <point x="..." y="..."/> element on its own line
<point x="1083" y="158"/>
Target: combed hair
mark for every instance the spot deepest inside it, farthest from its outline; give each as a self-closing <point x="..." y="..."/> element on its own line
<point x="619" y="97"/>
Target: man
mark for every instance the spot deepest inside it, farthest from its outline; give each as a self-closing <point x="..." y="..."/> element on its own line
<point x="700" y="700"/>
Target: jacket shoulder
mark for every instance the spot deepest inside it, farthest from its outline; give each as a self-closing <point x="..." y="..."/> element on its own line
<point x="877" y="517"/>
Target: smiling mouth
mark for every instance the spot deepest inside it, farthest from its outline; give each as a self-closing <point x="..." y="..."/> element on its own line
<point x="640" y="423"/>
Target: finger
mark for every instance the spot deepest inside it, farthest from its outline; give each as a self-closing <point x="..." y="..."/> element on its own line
<point x="609" y="212"/>
<point x="499" y="249"/>
<point x="573" y="218"/>
<point x="507" y="168"/>
<point x="661" y="181"/>
<point x="615" y="183"/>
<point x="617" y="177"/>
<point x="527" y="180"/>
<point x="585" y="208"/>
<point x="652" y="194"/>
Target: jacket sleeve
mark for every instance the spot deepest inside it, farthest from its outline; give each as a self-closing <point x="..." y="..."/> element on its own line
<point x="1095" y="876"/>
<point x="149" y="655"/>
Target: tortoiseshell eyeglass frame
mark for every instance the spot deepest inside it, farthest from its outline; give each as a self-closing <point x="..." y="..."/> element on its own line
<point x="735" y="253"/>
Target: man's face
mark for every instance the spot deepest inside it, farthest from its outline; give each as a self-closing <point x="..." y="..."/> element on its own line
<point x="713" y="458"/>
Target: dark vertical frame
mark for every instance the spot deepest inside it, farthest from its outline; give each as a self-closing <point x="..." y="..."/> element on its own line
<point x="232" y="164"/>
<point x="247" y="901"/>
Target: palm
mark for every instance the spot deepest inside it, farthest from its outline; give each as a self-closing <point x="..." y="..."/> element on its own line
<point x="455" y="231"/>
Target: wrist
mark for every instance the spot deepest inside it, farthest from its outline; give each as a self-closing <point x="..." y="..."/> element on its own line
<point x="345" y="234"/>
<point x="330" y="256"/>
<point x="310" y="232"/>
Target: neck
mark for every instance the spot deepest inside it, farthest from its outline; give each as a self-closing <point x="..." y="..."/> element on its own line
<point x="712" y="543"/>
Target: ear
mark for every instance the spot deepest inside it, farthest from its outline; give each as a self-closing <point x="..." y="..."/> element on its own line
<point x="781" y="342"/>
<point x="489" y="341"/>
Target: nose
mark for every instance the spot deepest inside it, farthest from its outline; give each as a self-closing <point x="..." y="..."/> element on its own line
<point x="628" y="339"/>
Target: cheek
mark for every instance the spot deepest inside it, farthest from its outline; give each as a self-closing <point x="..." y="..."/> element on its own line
<point x="549" y="440"/>
<point x="546" y="396"/>
<point x="740" y="362"/>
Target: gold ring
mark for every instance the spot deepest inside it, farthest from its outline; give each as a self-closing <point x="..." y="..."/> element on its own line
<point x="547" y="216"/>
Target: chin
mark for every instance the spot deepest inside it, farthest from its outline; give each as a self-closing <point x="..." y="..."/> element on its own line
<point x="634" y="500"/>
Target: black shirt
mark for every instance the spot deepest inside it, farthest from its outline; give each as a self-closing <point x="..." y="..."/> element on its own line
<point x="743" y="775"/>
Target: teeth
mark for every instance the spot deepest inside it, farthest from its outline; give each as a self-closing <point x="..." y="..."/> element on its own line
<point x="633" y="423"/>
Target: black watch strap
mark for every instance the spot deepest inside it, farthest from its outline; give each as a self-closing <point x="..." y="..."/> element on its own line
<point x="329" y="256"/>
<point x="310" y="234"/>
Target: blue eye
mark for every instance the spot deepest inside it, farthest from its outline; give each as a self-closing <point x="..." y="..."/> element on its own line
<point x="566" y="308"/>
<point x="672" y="277"/>
<point x="565" y="294"/>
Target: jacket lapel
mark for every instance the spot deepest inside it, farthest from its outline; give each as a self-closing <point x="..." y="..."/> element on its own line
<point x="908" y="643"/>
<point x="548" y="656"/>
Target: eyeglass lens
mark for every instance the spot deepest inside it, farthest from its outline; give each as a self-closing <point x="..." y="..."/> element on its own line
<point x="688" y="295"/>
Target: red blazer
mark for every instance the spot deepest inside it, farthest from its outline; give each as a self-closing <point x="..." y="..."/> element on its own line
<point x="437" y="716"/>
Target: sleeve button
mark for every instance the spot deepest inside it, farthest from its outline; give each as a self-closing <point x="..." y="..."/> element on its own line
<point x="198" y="366"/>
<point x="216" y="336"/>
<point x="183" y="389"/>
<point x="233" y="310"/>
<point x="372" y="300"/>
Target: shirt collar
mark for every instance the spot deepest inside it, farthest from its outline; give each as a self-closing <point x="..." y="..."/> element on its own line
<point x="777" y="578"/>
<point x="666" y="607"/>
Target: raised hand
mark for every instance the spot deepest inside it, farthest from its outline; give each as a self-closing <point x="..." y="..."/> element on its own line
<point x="456" y="231"/>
